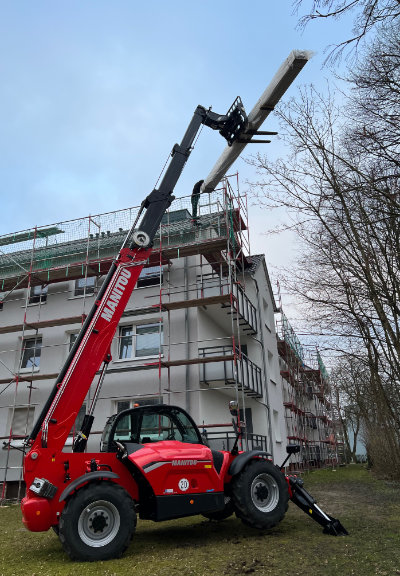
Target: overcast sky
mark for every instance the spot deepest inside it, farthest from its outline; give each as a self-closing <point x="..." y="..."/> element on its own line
<point x="95" y="93"/>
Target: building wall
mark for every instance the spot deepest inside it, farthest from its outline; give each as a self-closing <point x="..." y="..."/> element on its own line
<point x="185" y="332"/>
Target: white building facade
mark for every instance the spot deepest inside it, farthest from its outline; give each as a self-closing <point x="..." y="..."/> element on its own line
<point x="198" y="331"/>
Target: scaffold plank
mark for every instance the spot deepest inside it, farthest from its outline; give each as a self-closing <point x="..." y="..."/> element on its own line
<point x="71" y="320"/>
<point x="42" y="324"/>
<point x="29" y="378"/>
<point x="196" y="302"/>
<point x="100" y="267"/>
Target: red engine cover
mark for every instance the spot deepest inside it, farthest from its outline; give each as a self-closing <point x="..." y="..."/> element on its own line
<point x="172" y="467"/>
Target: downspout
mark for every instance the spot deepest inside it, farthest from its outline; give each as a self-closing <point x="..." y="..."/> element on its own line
<point x="267" y="405"/>
<point x="187" y="334"/>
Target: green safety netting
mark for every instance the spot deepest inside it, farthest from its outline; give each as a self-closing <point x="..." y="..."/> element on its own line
<point x="99" y="237"/>
<point x="322" y="367"/>
<point x="291" y="338"/>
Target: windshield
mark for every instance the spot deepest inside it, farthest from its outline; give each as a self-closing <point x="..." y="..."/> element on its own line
<point x="147" y="424"/>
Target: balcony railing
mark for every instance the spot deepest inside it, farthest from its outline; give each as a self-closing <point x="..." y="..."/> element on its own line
<point x="247" y="374"/>
<point x="225" y="441"/>
<point x="246" y="310"/>
<point x="213" y="285"/>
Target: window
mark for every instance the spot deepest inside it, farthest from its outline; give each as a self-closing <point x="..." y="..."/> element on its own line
<point x="22" y="421"/>
<point x="38" y="294"/>
<point x="157" y="427"/>
<point x="31" y="353"/>
<point x="125" y="342"/>
<point x="150" y="277"/>
<point x="148" y="339"/>
<point x="140" y="341"/>
<point x="154" y="426"/>
<point x="85" y="286"/>
<point x="127" y="428"/>
<point x="126" y="404"/>
<point x="72" y="339"/>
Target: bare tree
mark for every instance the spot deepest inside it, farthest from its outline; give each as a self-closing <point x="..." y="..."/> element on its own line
<point x="368" y="15"/>
<point x="340" y="185"/>
<point x="349" y="379"/>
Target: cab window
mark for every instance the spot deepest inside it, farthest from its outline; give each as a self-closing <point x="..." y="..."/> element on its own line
<point x="189" y="433"/>
<point x="127" y="428"/>
<point x="157" y="426"/>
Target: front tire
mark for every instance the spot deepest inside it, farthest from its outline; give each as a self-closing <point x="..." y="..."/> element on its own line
<point x="260" y="494"/>
<point x="98" y="522"/>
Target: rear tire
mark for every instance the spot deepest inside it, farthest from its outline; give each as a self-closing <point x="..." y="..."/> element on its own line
<point x="260" y="495"/>
<point x="97" y="523"/>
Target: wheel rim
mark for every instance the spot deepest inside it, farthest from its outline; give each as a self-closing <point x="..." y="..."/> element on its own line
<point x="264" y="492"/>
<point x="99" y="523"/>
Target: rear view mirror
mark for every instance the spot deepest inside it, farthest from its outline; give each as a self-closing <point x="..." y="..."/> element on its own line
<point x="293" y="448"/>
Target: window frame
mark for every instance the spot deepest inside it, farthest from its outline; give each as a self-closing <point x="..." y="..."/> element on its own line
<point x="34" y="368"/>
<point x="133" y="402"/>
<point x="41" y="298"/>
<point x="149" y="277"/>
<point x="82" y="291"/>
<point x="134" y="339"/>
<point x="130" y="422"/>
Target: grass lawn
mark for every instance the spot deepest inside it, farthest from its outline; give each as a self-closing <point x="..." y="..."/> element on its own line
<point x="369" y="510"/>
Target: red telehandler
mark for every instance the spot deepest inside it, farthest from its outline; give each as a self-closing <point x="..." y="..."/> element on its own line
<point x="154" y="461"/>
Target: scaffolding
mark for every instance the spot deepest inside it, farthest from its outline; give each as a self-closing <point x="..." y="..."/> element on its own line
<point x="311" y="415"/>
<point x="218" y="241"/>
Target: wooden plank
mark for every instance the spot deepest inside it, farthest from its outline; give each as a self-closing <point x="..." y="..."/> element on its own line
<point x="215" y="245"/>
<point x="29" y="378"/>
<point x="194" y="303"/>
<point x="74" y="271"/>
<point x="42" y="324"/>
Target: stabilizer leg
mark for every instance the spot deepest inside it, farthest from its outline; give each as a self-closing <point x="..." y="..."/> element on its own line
<point x="304" y="500"/>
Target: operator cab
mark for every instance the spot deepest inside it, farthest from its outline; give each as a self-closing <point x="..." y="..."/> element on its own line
<point x="147" y="424"/>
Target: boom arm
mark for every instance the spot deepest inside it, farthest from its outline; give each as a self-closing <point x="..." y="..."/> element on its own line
<point x="92" y="346"/>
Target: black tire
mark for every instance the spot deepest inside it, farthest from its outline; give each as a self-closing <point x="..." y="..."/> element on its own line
<point x="227" y="511"/>
<point x="260" y="495"/>
<point x="97" y="523"/>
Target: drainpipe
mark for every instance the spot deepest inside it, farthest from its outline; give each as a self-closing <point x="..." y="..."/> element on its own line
<point x="187" y="334"/>
<point x="261" y="342"/>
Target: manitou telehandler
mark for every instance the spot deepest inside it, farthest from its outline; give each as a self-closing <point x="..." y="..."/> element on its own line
<point x="154" y="461"/>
